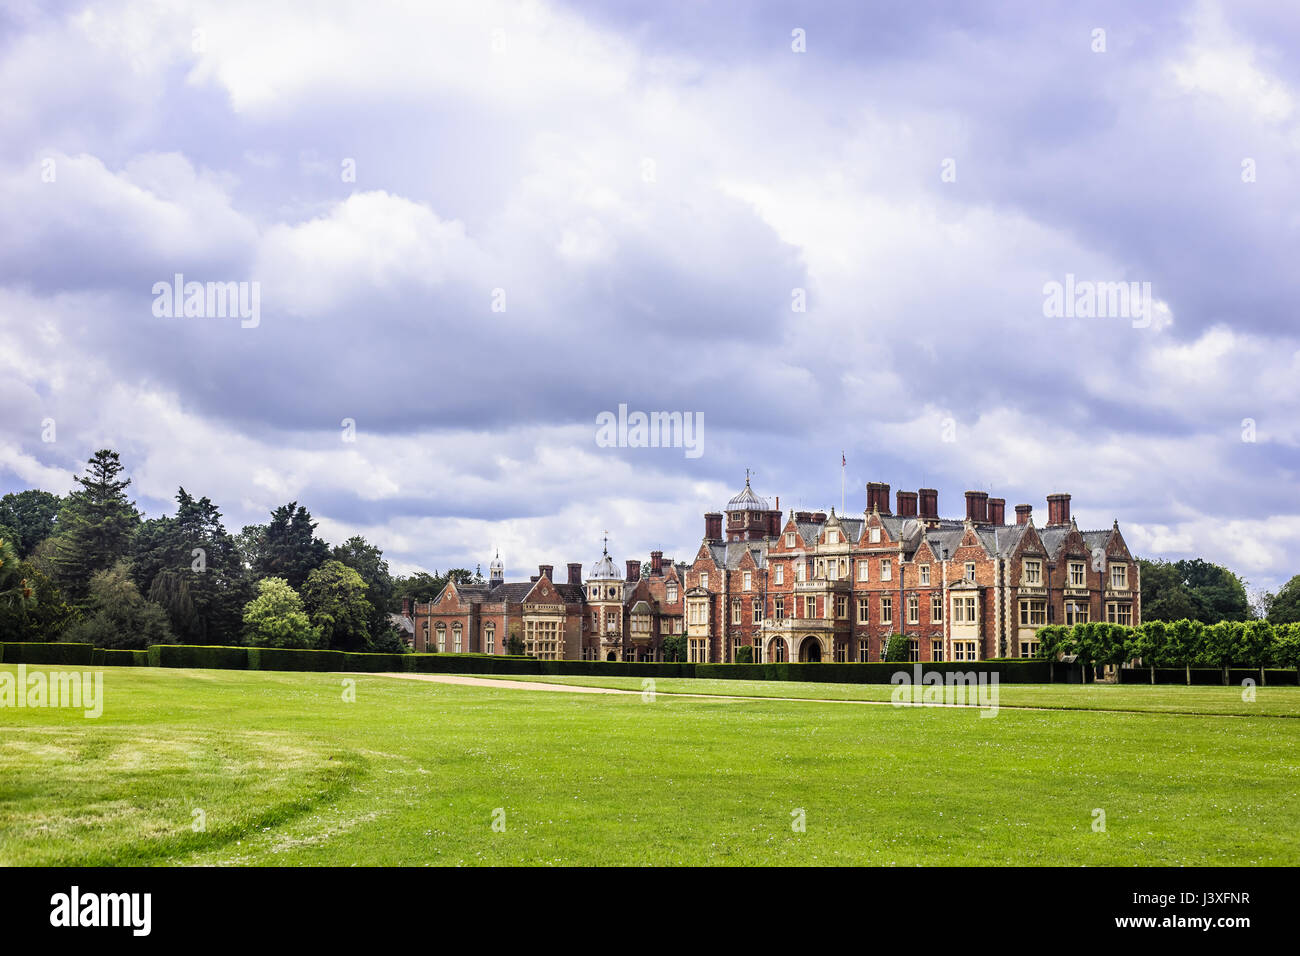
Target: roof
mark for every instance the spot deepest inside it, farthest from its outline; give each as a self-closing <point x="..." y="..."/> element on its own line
<point x="748" y="501"/>
<point x="605" y="570"/>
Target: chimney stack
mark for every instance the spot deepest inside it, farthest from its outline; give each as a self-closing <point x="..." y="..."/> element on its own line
<point x="1058" y="509"/>
<point x="977" y="506"/>
<point x="1023" y="513"/>
<point x="406" y="607"/>
<point x="907" y="504"/>
<point x="878" y="497"/>
<point x="657" y="564"/>
<point x="575" y="573"/>
<point x="929" y="499"/>
<point x="713" y="526"/>
<point x="546" y="571"/>
<point x="997" y="511"/>
<point x="803" y="517"/>
<point x="633" y="570"/>
<point x="819" y="517"/>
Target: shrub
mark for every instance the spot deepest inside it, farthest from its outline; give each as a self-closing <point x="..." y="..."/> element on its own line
<point x="294" y="659"/>
<point x="119" y="657"/>
<point x="190" y="655"/>
<point x="72" y="655"/>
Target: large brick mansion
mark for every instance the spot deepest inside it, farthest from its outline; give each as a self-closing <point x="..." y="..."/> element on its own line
<point x="812" y="586"/>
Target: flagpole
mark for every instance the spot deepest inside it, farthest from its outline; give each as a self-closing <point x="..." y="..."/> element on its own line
<point x="843" y="463"/>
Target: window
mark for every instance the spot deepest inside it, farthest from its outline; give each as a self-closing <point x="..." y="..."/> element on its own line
<point x="914" y="651"/>
<point x="671" y="596"/>
<point x="809" y="607"/>
<point x="778" y="608"/>
<point x="704" y="580"/>
<point x="841" y="652"/>
<point x="963" y="612"/>
<point x="886" y="569"/>
<point x="1077" y="579"/>
<point x="864" y="650"/>
<point x="490" y="638"/>
<point x="789" y="539"/>
<point x="749" y="581"/>
<point x="735" y="647"/>
<point x="697" y="613"/>
<point x="735" y="611"/>
<point x="799" y="570"/>
<point x="1119" y="613"/>
<point x="697" y="650"/>
<point x="426" y="634"/>
<point x="936" y="650"/>
<point x="864" y="610"/>
<point x="757" y="611"/>
<point x="841" y="606"/>
<point x="970" y="571"/>
<point x="542" y="639"/>
<point x="1028" y="648"/>
<point x="1033" y="613"/>
<point x="778" y="574"/>
<point x="832" y="537"/>
<point x="863" y="570"/>
<point x="455" y="632"/>
<point x="936" y="607"/>
<point x="1119" y="577"/>
<point x="913" y="610"/>
<point x="442" y="638"/>
<point x="886" y="609"/>
<point x="1034" y="573"/>
<point x="1076" y="613"/>
<point x="875" y="536"/>
<point x="963" y="650"/>
<point x="925" y="575"/>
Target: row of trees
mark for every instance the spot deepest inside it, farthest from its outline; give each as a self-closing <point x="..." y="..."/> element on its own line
<point x="1197" y="590"/>
<point x="1185" y="643"/>
<point x="90" y="567"/>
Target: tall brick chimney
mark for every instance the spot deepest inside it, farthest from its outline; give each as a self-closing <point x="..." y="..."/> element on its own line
<point x="929" y="500"/>
<point x="633" y="570"/>
<point x="657" y="564"/>
<point x="878" y="497"/>
<point x="803" y="517"/>
<point x="713" y="526"/>
<point x="575" y="572"/>
<point x="997" y="510"/>
<point x="406" y="607"/>
<point x="977" y="506"/>
<point x="1058" y="509"/>
<point x="906" y="504"/>
<point x="1024" y="513"/>
<point x="546" y="571"/>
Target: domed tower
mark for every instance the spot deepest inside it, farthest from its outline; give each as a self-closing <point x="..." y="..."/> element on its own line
<point x="604" y="591"/>
<point x="751" y="518"/>
<point x="496" y="571"/>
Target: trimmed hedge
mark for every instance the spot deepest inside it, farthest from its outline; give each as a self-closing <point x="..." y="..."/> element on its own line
<point x="118" y="657"/>
<point x="1206" y="676"/>
<point x="190" y="655"/>
<point x="72" y="655"/>
<point x="294" y="659"/>
<point x="1009" y="671"/>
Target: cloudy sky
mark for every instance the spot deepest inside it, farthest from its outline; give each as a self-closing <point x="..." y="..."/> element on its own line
<point x="476" y="226"/>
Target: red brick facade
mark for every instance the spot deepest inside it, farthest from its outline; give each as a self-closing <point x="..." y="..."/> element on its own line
<point x="814" y="587"/>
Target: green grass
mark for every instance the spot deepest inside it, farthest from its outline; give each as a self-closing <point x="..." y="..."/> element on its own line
<point x="1158" y="699"/>
<point x="287" y="773"/>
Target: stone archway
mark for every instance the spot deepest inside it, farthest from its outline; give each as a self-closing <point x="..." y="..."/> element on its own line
<point x="611" y="656"/>
<point x="810" y="651"/>
<point x="776" y="650"/>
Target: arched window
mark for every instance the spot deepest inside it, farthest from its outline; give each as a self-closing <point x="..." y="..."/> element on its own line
<point x="442" y="637"/>
<point x="490" y="638"/>
<point x="455" y="633"/>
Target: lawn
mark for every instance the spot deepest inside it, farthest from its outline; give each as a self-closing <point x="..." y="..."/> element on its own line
<point x="1158" y="699"/>
<point x="283" y="771"/>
